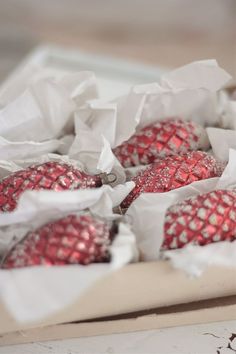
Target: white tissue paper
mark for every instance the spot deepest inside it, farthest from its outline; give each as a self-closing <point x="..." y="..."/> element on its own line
<point x="221" y="141"/>
<point x="223" y="137"/>
<point x="53" y="288"/>
<point x="188" y="92"/>
<point x="11" y="150"/>
<point x="195" y="259"/>
<point x="24" y="76"/>
<point x="148" y="211"/>
<point x="65" y="144"/>
<point x="226" y="110"/>
<point x="43" y="110"/>
<point x="93" y="150"/>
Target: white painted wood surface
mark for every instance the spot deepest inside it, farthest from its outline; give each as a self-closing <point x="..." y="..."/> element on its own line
<point x="215" y="338"/>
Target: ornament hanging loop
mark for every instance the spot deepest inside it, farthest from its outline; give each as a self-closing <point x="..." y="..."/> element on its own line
<point x="119" y="210"/>
<point x="108" y="178"/>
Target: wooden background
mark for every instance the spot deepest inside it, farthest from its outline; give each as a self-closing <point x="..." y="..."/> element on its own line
<point x="164" y="32"/>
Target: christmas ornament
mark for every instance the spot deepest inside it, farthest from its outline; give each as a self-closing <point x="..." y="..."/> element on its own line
<point x="50" y="175"/>
<point x="164" y="138"/>
<point x="174" y="172"/>
<point x="75" y="239"/>
<point x="201" y="220"/>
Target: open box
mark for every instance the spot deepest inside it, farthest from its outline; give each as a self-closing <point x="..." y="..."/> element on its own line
<point x="139" y="296"/>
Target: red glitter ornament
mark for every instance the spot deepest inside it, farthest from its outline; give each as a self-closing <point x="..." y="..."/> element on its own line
<point x="201" y="220"/>
<point x="164" y="138"/>
<point x="50" y="175"/>
<point x="174" y="172"/>
<point x="73" y="239"/>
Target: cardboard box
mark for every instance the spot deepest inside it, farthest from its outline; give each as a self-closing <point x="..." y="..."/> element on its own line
<point x="139" y="296"/>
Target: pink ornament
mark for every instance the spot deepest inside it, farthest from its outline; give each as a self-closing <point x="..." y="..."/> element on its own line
<point x="50" y="175"/>
<point x="174" y="172"/>
<point x="161" y="139"/>
<point x="201" y="220"/>
<point x="73" y="239"/>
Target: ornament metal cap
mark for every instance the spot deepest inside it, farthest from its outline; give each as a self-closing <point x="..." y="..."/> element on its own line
<point x="108" y="178"/>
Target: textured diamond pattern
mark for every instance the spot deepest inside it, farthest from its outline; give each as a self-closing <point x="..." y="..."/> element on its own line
<point x="50" y="175"/>
<point x="74" y="239"/>
<point x="174" y="172"/>
<point x="164" y="138"/>
<point x="201" y="220"/>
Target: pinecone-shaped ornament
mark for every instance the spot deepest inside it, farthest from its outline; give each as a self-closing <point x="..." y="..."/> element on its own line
<point x="164" y="138"/>
<point x="50" y="175"/>
<point x="203" y="219"/>
<point x="74" y="239"/>
<point x="174" y="172"/>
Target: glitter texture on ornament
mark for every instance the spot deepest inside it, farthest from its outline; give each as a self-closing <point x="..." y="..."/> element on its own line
<point x="81" y="239"/>
<point x="164" y="138"/>
<point x="50" y="175"/>
<point x="174" y="172"/>
<point x="201" y="220"/>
